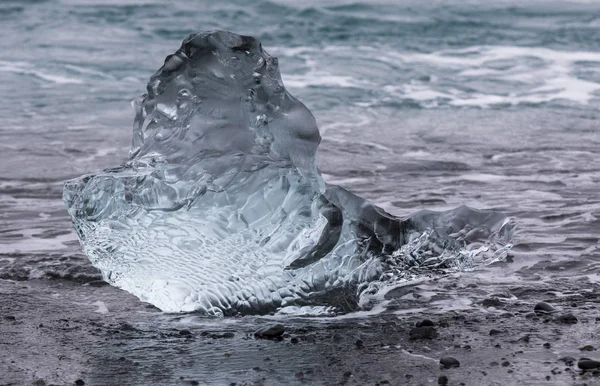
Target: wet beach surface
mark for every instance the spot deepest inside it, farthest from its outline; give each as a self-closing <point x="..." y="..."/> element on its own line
<point x="57" y="332"/>
<point x="418" y="106"/>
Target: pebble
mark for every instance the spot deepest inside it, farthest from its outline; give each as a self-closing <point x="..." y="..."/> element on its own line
<point x="226" y="335"/>
<point x="79" y="382"/>
<point x="567" y="319"/>
<point x="185" y="333"/>
<point x="427" y="332"/>
<point x="443" y="380"/>
<point x="525" y="339"/>
<point x="547" y="345"/>
<point x="425" y="323"/>
<point x="569" y="361"/>
<point x="588" y="364"/>
<point x="273" y="331"/>
<point x="587" y="347"/>
<point x="449" y="362"/>
<point x="494" y="331"/>
<point x="492" y="302"/>
<point x="359" y="343"/>
<point x="543" y="307"/>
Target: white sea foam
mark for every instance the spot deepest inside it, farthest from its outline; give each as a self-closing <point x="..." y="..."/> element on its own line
<point x="525" y="74"/>
<point x="30" y="243"/>
<point x="477" y="76"/>
<point x="320" y="79"/>
<point x="24" y="68"/>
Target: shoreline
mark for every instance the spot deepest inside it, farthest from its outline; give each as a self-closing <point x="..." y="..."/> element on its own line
<point x="58" y="332"/>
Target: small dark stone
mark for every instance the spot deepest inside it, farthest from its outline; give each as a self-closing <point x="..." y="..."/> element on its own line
<point x="79" y="382"/>
<point x="194" y="383"/>
<point x="525" y="339"/>
<point x="10" y="317"/>
<point x="492" y="302"/>
<point x="505" y="363"/>
<point x="443" y="380"/>
<point x="567" y="319"/>
<point x="226" y="335"/>
<point x="543" y="307"/>
<point x="273" y="331"/>
<point x="587" y="347"/>
<point x="449" y="362"/>
<point x="360" y="343"/>
<point x="347" y="374"/>
<point x="294" y="340"/>
<point x="185" y="333"/>
<point x="425" y="323"/>
<point x="127" y="327"/>
<point x="493" y="332"/>
<point x="547" y="345"/>
<point x="588" y="364"/>
<point x="427" y="332"/>
<point x="569" y="361"/>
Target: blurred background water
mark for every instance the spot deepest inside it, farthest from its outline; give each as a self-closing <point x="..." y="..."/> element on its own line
<point x="489" y="104"/>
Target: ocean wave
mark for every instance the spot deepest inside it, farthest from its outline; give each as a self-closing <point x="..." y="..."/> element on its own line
<point x="477" y="76"/>
<point x="23" y="68"/>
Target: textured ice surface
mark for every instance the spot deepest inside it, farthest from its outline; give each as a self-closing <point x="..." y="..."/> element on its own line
<point x="221" y="208"/>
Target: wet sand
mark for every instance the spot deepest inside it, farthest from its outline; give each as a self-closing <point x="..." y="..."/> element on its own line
<point x="61" y="332"/>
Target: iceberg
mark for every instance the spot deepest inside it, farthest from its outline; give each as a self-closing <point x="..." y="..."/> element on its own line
<point x="221" y="209"/>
